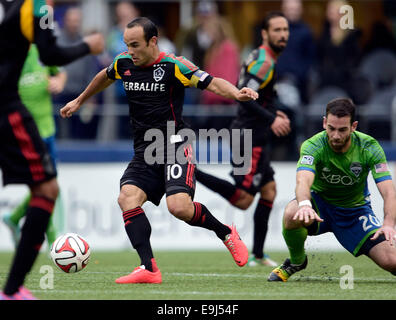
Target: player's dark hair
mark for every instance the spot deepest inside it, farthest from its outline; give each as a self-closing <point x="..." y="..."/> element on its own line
<point x="149" y="28"/>
<point x="341" y="107"/>
<point x="270" y="15"/>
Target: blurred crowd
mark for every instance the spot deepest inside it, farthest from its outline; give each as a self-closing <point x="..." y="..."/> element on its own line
<point x="310" y="71"/>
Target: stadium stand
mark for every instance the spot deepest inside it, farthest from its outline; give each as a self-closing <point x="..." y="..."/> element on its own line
<point x="314" y="111"/>
<point x="375" y="116"/>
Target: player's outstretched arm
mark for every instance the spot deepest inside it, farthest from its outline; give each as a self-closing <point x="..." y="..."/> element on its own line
<point x="388" y="193"/>
<point x="226" y="89"/>
<point x="98" y="84"/>
<point x="52" y="54"/>
<point x="305" y="214"/>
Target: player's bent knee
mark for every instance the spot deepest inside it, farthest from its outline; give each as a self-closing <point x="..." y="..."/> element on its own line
<point x="244" y="205"/>
<point x="384" y="255"/>
<point x="268" y="192"/>
<point x="290" y="211"/>
<point x="181" y="206"/>
<point x="127" y="200"/>
<point x="288" y="215"/>
<point x="121" y="200"/>
<point x="389" y="264"/>
<point x="48" y="189"/>
<point x="244" y="201"/>
<point x="182" y="211"/>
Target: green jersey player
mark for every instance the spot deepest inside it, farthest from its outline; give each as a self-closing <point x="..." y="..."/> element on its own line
<point x="332" y="194"/>
<point x="35" y="86"/>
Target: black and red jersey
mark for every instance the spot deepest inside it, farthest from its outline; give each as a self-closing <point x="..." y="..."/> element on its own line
<point x="156" y="92"/>
<point x="258" y="73"/>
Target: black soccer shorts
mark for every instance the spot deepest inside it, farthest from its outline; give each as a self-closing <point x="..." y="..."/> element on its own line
<point x="260" y="172"/>
<point x="24" y="158"/>
<point x="157" y="179"/>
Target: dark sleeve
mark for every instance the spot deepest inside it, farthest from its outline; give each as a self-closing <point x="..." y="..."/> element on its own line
<point x="111" y="71"/>
<point x="50" y="52"/>
<point x="266" y="116"/>
<point x="254" y="83"/>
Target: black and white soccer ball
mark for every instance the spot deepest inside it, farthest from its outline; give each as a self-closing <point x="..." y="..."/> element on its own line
<point x="70" y="252"/>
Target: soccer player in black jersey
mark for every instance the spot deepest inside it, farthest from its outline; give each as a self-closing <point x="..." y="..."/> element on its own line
<point x="258" y="73"/>
<point x="23" y="157"/>
<point x="154" y="83"/>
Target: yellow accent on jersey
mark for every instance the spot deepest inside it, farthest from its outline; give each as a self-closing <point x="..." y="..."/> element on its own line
<point x="251" y="65"/>
<point x="117" y="75"/>
<point x="194" y="81"/>
<point x="26" y="20"/>
<point x="183" y="79"/>
<point x="268" y="79"/>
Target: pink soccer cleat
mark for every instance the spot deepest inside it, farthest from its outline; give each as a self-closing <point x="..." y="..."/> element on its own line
<point x="236" y="247"/>
<point x="21" y="294"/>
<point x="141" y="275"/>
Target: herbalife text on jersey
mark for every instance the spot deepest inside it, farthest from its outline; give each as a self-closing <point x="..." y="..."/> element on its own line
<point x="172" y="146"/>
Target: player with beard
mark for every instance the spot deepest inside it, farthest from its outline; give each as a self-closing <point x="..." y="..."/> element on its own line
<point x="261" y="116"/>
<point x="332" y="194"/>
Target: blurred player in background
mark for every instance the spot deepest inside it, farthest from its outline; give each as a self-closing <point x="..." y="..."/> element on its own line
<point x="36" y="84"/>
<point x="24" y="158"/>
<point x="154" y="83"/>
<point x="258" y="73"/>
<point x="332" y="194"/>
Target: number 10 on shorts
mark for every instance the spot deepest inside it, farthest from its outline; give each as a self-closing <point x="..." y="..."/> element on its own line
<point x="173" y="171"/>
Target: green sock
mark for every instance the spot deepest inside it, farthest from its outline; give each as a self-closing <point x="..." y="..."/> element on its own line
<point x="55" y="224"/>
<point x="51" y="232"/>
<point x="295" y="240"/>
<point x="20" y="211"/>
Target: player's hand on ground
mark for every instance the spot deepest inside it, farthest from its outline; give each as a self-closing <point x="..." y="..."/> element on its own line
<point x="388" y="232"/>
<point x="68" y="110"/>
<point x="247" y="94"/>
<point x="306" y="215"/>
<point x="95" y="42"/>
<point x="281" y="125"/>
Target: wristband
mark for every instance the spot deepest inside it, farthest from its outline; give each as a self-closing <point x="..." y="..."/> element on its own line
<point x="305" y="203"/>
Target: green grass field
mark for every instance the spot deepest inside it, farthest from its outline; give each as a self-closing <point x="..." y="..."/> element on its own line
<point x="210" y="276"/>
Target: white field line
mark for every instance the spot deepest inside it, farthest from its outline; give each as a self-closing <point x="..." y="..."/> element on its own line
<point x="167" y="292"/>
<point x="264" y="294"/>
<point x="263" y="275"/>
